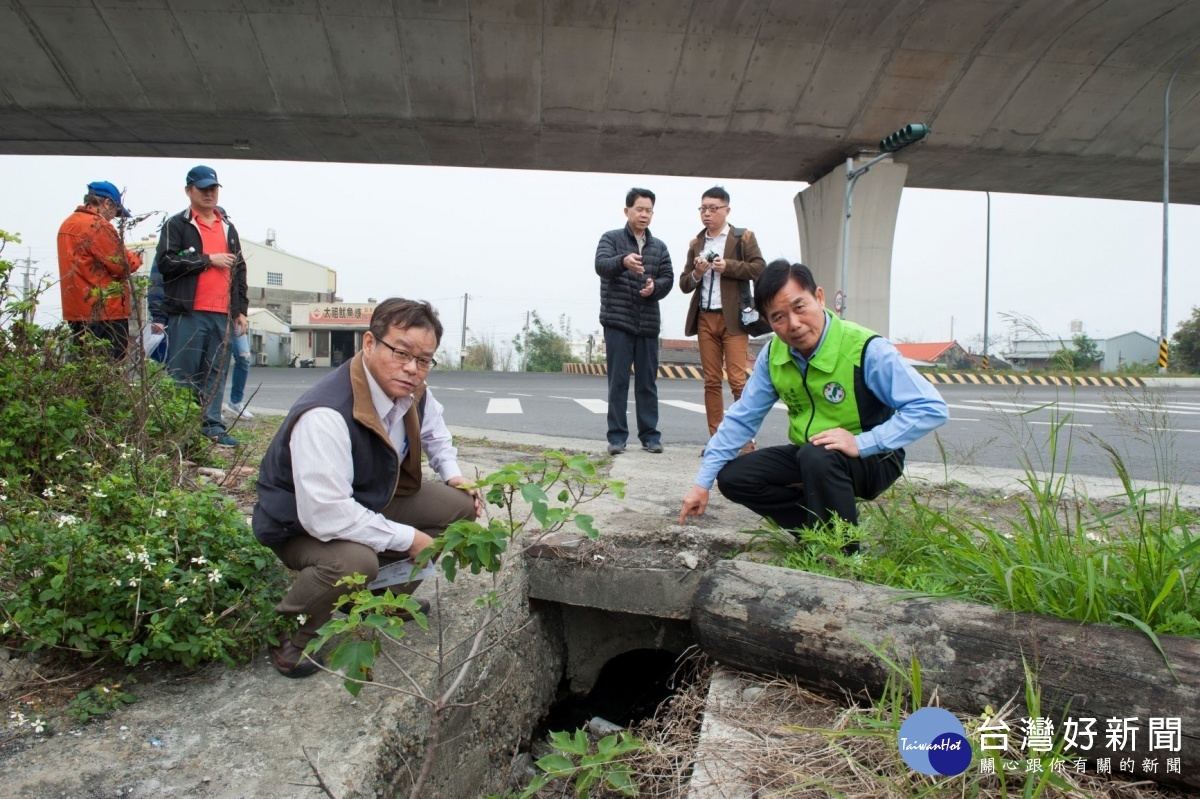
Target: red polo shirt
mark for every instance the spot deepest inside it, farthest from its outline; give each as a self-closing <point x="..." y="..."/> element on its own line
<point x="212" y="288"/>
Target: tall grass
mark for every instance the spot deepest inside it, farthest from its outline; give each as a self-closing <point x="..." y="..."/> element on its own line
<point x="1132" y="563"/>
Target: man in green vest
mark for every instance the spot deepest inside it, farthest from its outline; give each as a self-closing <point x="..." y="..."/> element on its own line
<point x="852" y="402"/>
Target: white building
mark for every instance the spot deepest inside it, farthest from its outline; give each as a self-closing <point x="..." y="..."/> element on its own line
<point x="330" y="333"/>
<point x="270" y="338"/>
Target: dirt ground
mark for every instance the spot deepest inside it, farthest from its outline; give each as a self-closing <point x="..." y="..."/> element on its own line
<point x="174" y="715"/>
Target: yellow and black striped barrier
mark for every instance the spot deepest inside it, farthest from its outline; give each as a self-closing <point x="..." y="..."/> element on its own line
<point x="672" y="371"/>
<point x="971" y="378"/>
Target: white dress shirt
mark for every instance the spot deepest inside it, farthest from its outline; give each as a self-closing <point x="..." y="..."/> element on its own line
<point x="710" y="283"/>
<point x="323" y="471"/>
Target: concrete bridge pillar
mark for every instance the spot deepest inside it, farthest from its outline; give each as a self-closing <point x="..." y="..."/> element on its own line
<point x="820" y="215"/>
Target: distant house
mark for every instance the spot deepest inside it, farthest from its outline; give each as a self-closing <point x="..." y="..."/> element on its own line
<point x="943" y="354"/>
<point x="1126" y="350"/>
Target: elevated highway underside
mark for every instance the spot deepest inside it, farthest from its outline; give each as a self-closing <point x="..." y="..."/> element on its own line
<point x="1036" y="96"/>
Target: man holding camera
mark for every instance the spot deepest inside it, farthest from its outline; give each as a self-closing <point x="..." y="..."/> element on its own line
<point x="723" y="260"/>
<point x="635" y="273"/>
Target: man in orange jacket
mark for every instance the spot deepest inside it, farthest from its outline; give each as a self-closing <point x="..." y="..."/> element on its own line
<point x="93" y="265"/>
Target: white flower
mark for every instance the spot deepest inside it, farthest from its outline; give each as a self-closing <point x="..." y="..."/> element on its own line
<point x="48" y="492"/>
<point x="167" y="583"/>
<point x="4" y="627"/>
<point x="3" y="482"/>
<point x="3" y="498"/>
<point x="129" y="556"/>
<point x="115" y="581"/>
<point x="180" y="601"/>
<point x="214" y="576"/>
<point x="160" y="513"/>
<point x="200" y="561"/>
<point x="134" y="581"/>
<point x="302" y="618"/>
<point x="99" y="494"/>
<point x="65" y="518"/>
<point x="63" y="454"/>
<point x="39" y="724"/>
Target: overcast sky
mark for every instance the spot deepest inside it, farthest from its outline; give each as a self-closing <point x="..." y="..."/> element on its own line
<point x="519" y="240"/>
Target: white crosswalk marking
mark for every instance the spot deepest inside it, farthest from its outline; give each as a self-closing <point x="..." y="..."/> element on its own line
<point x="504" y="405"/>
<point x="687" y="406"/>
<point x="594" y="405"/>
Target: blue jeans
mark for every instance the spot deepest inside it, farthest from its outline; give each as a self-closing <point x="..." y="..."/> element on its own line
<point x="241" y="368"/>
<point x="626" y="351"/>
<point x="197" y="358"/>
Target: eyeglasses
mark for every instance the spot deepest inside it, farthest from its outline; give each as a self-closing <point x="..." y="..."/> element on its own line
<point x="712" y="209"/>
<point x="404" y="358"/>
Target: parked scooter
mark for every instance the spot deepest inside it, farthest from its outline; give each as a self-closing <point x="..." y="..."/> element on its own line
<point x="307" y="363"/>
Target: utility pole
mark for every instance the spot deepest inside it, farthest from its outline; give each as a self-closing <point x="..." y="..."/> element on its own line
<point x="462" y="349"/>
<point x="987" y="278"/>
<point x="27" y="286"/>
<point x="525" y="348"/>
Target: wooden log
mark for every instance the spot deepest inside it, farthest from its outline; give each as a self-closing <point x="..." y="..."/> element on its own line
<point x="816" y="630"/>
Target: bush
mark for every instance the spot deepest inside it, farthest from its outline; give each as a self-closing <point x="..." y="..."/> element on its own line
<point x="105" y="550"/>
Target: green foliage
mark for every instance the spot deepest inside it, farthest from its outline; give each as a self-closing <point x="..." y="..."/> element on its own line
<point x="475" y="545"/>
<point x="98" y="702"/>
<point x="589" y="767"/>
<point x="1185" y="345"/>
<point x="479" y="546"/>
<point x="1081" y="356"/>
<point x="104" y="551"/>
<point x="546" y="349"/>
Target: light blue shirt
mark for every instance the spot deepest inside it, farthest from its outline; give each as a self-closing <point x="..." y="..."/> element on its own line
<point x="919" y="408"/>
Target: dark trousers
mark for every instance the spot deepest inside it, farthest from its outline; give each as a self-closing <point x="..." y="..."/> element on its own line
<point x="626" y="351"/>
<point x="113" y="332"/>
<point x="322" y="563"/>
<point x="198" y="358"/>
<point x="802" y="487"/>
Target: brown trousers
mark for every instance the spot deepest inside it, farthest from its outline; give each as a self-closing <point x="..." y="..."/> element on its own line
<point x="322" y="563"/>
<point x="717" y="344"/>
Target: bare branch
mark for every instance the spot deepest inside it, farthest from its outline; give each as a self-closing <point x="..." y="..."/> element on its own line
<point x="316" y="770"/>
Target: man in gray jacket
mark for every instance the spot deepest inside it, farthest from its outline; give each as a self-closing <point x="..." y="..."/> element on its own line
<point x="635" y="273"/>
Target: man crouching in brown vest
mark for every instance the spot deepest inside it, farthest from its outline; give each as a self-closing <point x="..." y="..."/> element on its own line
<point x="340" y="489"/>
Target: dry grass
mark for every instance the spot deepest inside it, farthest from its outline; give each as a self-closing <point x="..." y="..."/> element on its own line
<point x="778" y="740"/>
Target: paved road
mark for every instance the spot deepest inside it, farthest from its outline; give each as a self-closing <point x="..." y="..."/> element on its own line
<point x="1153" y="430"/>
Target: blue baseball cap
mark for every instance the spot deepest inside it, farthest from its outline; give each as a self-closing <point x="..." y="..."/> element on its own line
<point x="102" y="188"/>
<point x="202" y="177"/>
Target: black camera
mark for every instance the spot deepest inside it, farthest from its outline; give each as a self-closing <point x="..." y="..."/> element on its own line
<point x="710" y="256"/>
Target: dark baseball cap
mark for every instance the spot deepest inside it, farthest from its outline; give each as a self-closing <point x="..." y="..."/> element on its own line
<point x="202" y="177"/>
<point x="102" y="188"/>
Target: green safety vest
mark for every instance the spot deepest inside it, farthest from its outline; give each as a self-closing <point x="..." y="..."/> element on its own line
<point x="831" y="392"/>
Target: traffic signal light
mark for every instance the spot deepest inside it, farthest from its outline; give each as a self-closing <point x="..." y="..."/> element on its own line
<point x="904" y="137"/>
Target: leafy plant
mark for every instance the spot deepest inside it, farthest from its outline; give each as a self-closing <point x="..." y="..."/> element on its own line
<point x="98" y="702"/>
<point x="106" y="549"/>
<point x="575" y="759"/>
<point x="522" y="493"/>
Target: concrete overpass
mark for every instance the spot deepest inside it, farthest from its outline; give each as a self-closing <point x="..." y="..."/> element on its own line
<point x="1030" y="96"/>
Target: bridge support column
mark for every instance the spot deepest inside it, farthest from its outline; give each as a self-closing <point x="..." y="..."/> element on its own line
<point x="820" y="215"/>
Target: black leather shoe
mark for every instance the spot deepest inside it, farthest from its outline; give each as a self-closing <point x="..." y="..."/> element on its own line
<point x="289" y="660"/>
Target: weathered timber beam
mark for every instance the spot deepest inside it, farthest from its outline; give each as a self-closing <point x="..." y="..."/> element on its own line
<point x="816" y="629"/>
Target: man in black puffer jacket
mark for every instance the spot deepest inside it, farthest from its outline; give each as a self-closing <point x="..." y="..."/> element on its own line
<point x="635" y="273"/>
